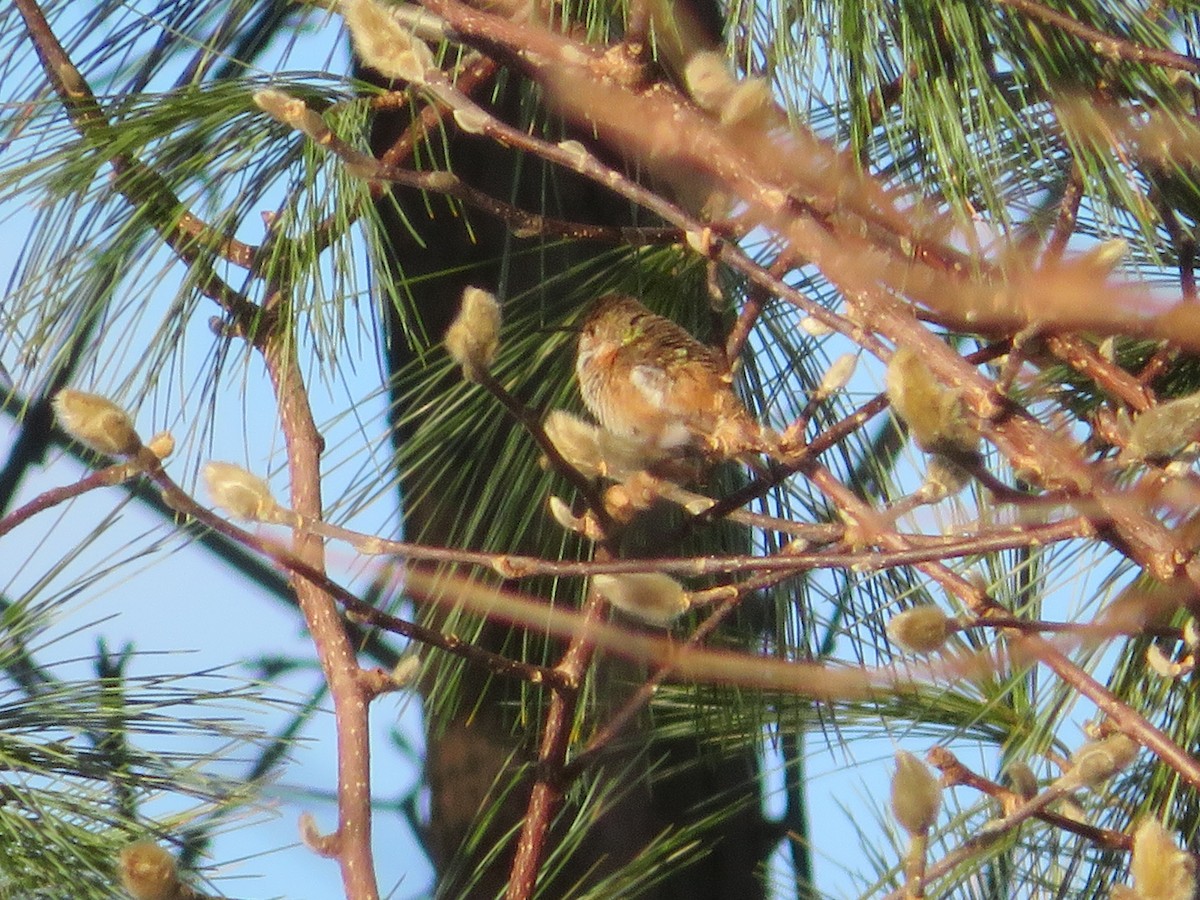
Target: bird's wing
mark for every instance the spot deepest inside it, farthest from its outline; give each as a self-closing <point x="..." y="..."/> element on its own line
<point x="652" y="384"/>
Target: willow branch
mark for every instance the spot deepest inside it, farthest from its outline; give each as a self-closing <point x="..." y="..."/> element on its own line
<point x="106" y="477"/>
<point x="182" y="502"/>
<point x="955" y="773"/>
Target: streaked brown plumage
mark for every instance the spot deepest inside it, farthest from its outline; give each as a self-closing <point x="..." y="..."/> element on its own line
<point x="646" y="379"/>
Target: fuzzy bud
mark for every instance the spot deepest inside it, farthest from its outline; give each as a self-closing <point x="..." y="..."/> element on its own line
<point x="922" y="629"/>
<point x="162" y="444"/>
<point x="1191" y="634"/>
<point x="651" y="597"/>
<point x="1160" y="870"/>
<point x="944" y="478"/>
<point x="1105" y="256"/>
<point x="293" y="112"/>
<point x="1021" y="779"/>
<point x="750" y="103"/>
<point x="815" y="327"/>
<point x="405" y="672"/>
<point x="471" y="119"/>
<point x="916" y="794"/>
<point x="838" y="375"/>
<point x="148" y="872"/>
<point x="634" y="495"/>
<point x="709" y="81"/>
<point x="577" y="441"/>
<point x="619" y="504"/>
<point x="1097" y="761"/>
<point x="96" y="422"/>
<point x="592" y="450"/>
<point x="241" y="493"/>
<point x="279" y="105"/>
<point x="474" y="336"/>
<point x="1163" y="430"/>
<point x="384" y="44"/>
<point x="585" y="525"/>
<point x="935" y="414"/>
<point x="576" y="151"/>
<point x="1163" y="665"/>
<point x="561" y="513"/>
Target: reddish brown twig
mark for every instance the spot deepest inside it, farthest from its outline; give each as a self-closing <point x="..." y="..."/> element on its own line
<point x="334" y="650"/>
<point x="955" y="773"/>
<point x="546" y="795"/>
<point x="1030" y="646"/>
<point x="178" y="499"/>
<point x="106" y="477"/>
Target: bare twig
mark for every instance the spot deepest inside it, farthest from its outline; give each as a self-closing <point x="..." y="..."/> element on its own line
<point x="1029" y="646"/>
<point x="530" y="422"/>
<point x="106" y="477"/>
<point x="520" y="221"/>
<point x="924" y="548"/>
<point x="178" y="499"/>
<point x="1103" y="43"/>
<point x="955" y="773"/>
<point x="334" y="650"/>
<point x="546" y="795"/>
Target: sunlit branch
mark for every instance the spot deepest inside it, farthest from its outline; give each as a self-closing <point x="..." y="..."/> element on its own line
<point x="519" y="221"/>
<point x="1123" y="716"/>
<point x="924" y="548"/>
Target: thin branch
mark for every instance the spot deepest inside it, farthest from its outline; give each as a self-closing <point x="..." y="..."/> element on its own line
<point x="547" y="793"/>
<point x="620" y="720"/>
<point x="181" y="501"/>
<point x="746" y="320"/>
<point x="1108" y="376"/>
<point x="106" y="477"/>
<point x="334" y="650"/>
<point x="529" y="421"/>
<point x="923" y="548"/>
<point x="955" y="773"/>
<point x="1103" y="43"/>
<point x="520" y="221"/>
<point x="1030" y="646"/>
<point x="1068" y="213"/>
<point x="824" y="682"/>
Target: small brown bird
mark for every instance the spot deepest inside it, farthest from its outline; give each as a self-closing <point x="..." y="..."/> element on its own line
<point x="646" y="379"/>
